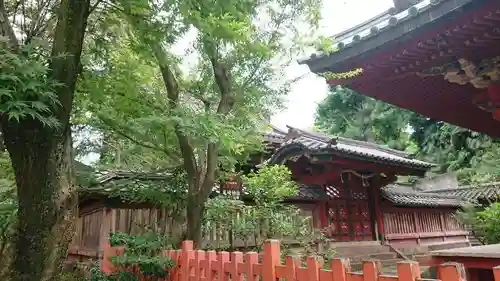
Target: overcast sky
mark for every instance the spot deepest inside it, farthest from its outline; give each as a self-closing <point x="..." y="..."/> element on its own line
<point x="338" y="15"/>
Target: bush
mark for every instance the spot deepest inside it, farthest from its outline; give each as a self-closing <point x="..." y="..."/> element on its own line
<point x="488" y="222"/>
<point x="142" y="254"/>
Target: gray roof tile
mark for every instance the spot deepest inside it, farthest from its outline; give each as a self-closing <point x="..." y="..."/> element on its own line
<point x="489" y="191"/>
<point x="427" y="10"/>
<point x="317" y="141"/>
<point x="397" y="196"/>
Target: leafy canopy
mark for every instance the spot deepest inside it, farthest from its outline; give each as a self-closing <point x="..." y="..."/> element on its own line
<point x="234" y="58"/>
<point x="27" y="90"/>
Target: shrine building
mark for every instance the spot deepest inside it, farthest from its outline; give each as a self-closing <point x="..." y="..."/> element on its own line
<point x="439" y="58"/>
<point x="347" y="188"/>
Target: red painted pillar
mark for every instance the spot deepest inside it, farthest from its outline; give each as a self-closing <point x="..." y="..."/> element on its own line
<point x="323" y="216"/>
<point x="473" y="274"/>
<point x="378" y="213"/>
<point x="494" y="96"/>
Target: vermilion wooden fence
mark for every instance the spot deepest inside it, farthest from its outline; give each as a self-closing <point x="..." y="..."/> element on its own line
<point x="197" y="265"/>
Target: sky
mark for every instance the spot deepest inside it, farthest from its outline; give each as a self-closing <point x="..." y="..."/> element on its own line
<point x="337" y="16"/>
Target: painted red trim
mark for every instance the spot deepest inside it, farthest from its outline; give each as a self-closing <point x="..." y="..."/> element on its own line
<point x="323" y="209"/>
<point x="378" y="212"/>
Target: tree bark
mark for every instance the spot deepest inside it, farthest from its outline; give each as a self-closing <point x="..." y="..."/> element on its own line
<point x="195" y="208"/>
<point x="42" y="162"/>
<point x="42" y="158"/>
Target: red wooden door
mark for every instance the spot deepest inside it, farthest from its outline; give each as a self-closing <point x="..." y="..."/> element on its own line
<point x="348" y="213"/>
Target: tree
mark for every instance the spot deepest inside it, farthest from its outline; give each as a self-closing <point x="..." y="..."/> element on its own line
<point x="472" y="155"/>
<point x="267" y="215"/>
<point x="349" y="114"/>
<point x="206" y="118"/>
<point x="37" y="90"/>
<point x="484" y="222"/>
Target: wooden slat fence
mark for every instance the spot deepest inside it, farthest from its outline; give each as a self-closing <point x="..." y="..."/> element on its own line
<point x="402" y="224"/>
<point x="194" y="265"/>
<point x="88" y="227"/>
<point x="91" y="227"/>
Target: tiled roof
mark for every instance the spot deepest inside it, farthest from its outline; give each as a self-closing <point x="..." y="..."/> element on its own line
<point x="425" y="11"/>
<point x="489" y="191"/>
<point x="414" y="198"/>
<point x="275" y="135"/>
<point x="316" y="142"/>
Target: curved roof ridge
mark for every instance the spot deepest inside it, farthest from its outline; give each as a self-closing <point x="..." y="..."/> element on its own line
<point x="304" y="141"/>
<point x="463" y="187"/>
<point x="415" y="198"/>
<point x="341" y="36"/>
<point x="326" y="137"/>
<point x="375" y="146"/>
<point x="312" y="135"/>
<point x="420" y="193"/>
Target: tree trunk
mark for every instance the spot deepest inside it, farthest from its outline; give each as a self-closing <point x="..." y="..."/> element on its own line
<point x="195" y="210"/>
<point x="42" y="161"/>
<point x="42" y="156"/>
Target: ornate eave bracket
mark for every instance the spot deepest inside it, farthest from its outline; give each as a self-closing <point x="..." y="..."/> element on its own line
<point x="485" y="75"/>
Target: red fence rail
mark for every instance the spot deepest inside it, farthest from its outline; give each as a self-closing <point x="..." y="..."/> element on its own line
<point x="197" y="265"/>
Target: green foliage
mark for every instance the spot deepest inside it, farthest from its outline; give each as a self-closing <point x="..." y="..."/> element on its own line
<point x="325" y="44"/>
<point x="27" y="91"/>
<point x="205" y="115"/>
<point x="169" y="191"/>
<point x="263" y="216"/>
<point x="472" y="155"/>
<point x="270" y="184"/>
<point x="144" y="253"/>
<point x="346" y="113"/>
<point x="485" y="223"/>
<point x="8" y="212"/>
<point x="6" y="172"/>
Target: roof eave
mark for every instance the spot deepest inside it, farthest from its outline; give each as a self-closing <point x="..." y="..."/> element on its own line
<point x="322" y="62"/>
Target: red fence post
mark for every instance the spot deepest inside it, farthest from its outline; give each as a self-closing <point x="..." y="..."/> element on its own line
<point x="496" y="273"/>
<point x="236" y="262"/>
<point x="186" y="256"/>
<point x="408" y="271"/>
<point x="270" y="259"/>
<point x="223" y="259"/>
<point x="106" y="265"/>
<point x="312" y="269"/>
<point x="209" y="263"/>
<point x="339" y="269"/>
<point x="199" y="269"/>
<point x="291" y="272"/>
<point x="252" y="258"/>
<point x="371" y="270"/>
<point x="451" y="271"/>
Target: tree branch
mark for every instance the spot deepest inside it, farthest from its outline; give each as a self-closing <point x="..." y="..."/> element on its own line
<point x="121" y="133"/>
<point x="6" y="28"/>
<point x="172" y="88"/>
<point x="226" y="103"/>
<point x="66" y="51"/>
<point x="93" y="7"/>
